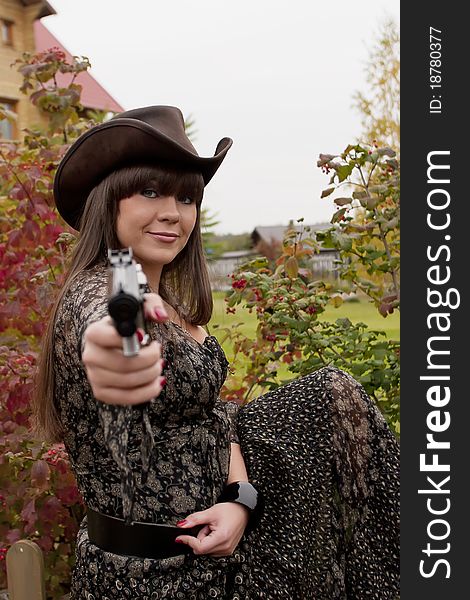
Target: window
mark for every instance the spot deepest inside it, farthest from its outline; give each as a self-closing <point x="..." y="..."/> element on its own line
<point x="6" y="29"/>
<point x="7" y="128"/>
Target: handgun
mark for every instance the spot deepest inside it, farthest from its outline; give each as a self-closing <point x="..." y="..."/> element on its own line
<point x="127" y="285"/>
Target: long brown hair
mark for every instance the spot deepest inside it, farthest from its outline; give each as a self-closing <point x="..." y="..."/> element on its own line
<point x="184" y="282"/>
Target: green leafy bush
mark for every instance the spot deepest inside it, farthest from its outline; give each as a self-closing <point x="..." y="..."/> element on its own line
<point x="288" y="299"/>
<point x="39" y="498"/>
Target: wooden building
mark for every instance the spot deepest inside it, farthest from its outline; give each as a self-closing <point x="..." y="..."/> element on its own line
<point x="22" y="30"/>
<point x="267" y="240"/>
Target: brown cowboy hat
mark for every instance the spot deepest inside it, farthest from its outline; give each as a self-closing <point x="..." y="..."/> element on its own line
<point x="139" y="136"/>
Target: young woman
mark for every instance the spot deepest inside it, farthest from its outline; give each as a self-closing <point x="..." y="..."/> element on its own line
<point x="294" y="496"/>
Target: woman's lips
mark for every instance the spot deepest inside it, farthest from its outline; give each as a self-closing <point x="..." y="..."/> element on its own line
<point x="167" y="239"/>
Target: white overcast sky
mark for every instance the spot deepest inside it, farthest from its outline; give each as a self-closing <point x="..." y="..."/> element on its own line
<point x="276" y="76"/>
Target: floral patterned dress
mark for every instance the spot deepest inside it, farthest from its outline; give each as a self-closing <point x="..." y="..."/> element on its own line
<point x="317" y="448"/>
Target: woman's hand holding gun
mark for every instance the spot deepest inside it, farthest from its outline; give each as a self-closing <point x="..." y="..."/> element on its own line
<point x="119" y="379"/>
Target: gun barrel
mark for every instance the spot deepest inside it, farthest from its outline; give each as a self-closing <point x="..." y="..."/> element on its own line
<point x="125" y="305"/>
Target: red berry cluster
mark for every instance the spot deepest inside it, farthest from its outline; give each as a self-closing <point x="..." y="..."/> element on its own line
<point x="239" y="284"/>
<point x="51" y="456"/>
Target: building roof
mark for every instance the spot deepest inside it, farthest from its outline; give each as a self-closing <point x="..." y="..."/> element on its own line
<point x="44" y="10"/>
<point x="276" y="232"/>
<point x="93" y="94"/>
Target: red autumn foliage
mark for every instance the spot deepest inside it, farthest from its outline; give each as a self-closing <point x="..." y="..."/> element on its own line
<point x="39" y="499"/>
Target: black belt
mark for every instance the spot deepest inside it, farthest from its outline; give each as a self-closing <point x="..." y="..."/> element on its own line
<point x="144" y="540"/>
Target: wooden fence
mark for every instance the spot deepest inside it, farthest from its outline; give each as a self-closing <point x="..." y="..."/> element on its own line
<point x="25" y="572"/>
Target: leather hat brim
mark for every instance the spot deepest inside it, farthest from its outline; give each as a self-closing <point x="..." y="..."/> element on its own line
<point x="115" y="144"/>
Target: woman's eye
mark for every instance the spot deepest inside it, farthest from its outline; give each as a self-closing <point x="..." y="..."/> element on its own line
<point x="150" y="193"/>
<point x="186" y="200"/>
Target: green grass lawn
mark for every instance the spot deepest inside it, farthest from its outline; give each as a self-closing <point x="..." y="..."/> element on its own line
<point x="358" y="311"/>
<point x="361" y="311"/>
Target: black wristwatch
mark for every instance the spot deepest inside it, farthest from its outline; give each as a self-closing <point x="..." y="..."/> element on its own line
<point x="243" y="492"/>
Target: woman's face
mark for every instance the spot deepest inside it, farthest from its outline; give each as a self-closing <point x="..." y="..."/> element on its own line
<point x="157" y="227"/>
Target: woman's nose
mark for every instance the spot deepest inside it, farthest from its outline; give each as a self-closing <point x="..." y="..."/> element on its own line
<point x="168" y="209"/>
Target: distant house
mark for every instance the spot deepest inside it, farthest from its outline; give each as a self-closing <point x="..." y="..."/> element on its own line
<point x="267" y="240"/>
<point x="22" y="31"/>
<point x="222" y="267"/>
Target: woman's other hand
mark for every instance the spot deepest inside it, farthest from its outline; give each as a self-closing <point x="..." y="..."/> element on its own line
<point x="224" y="524"/>
<point x="119" y="379"/>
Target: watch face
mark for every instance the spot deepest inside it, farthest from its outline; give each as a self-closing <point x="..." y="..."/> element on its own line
<point x="247" y="495"/>
<point x="241" y="492"/>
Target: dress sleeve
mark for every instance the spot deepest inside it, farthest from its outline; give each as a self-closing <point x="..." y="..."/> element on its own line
<point x="89" y="300"/>
<point x="231" y="411"/>
<point x="367" y="469"/>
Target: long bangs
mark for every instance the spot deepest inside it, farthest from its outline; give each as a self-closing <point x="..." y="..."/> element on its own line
<point x="169" y="180"/>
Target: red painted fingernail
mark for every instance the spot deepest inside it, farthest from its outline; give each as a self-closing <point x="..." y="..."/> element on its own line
<point x="161" y="314"/>
<point x="162" y="381"/>
<point x="140" y="335"/>
<point x="183" y="522"/>
<point x="178" y="541"/>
